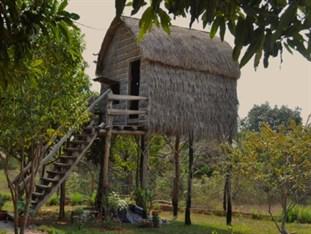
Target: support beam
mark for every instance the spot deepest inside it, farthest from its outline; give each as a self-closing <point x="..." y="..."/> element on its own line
<point x="144" y="158"/>
<point x="62" y="200"/>
<point x="190" y="175"/>
<point x="175" y="192"/>
<point x="106" y="159"/>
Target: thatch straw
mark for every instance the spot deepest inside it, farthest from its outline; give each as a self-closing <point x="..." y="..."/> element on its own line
<point x="184" y="48"/>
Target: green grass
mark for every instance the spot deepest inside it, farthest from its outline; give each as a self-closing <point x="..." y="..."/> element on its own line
<point x="202" y="224"/>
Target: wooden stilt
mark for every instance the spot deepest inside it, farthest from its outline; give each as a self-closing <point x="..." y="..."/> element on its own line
<point x="62" y="200"/>
<point x="144" y="157"/>
<point x="189" y="188"/>
<point x="107" y="156"/>
<point x="175" y="192"/>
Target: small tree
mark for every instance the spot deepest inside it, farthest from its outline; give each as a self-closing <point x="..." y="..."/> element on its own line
<point x="55" y="94"/>
<point x="279" y="162"/>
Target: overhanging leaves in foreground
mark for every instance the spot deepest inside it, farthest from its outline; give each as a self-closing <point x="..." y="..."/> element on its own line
<point x="264" y="28"/>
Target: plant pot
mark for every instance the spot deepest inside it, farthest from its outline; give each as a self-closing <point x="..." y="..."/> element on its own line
<point x="3" y="215"/>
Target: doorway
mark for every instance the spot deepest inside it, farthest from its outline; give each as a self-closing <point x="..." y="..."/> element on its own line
<point x="134" y="84"/>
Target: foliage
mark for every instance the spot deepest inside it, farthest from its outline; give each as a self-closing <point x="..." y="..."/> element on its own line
<point x="3" y="199"/>
<point x="264" y="28"/>
<point x="53" y="200"/>
<point x="279" y="161"/>
<point x="77" y="199"/>
<point x="22" y="24"/>
<point x="116" y="203"/>
<point x="299" y="214"/>
<point x="275" y="117"/>
<point x="143" y="198"/>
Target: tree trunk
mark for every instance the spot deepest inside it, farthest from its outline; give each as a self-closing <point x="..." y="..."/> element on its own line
<point x="62" y="199"/>
<point x="189" y="189"/>
<point x="175" y="193"/>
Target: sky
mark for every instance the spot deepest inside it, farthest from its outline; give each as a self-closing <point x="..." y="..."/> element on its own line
<point x="287" y="83"/>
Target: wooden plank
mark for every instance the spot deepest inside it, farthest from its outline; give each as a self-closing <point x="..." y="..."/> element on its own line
<point x="126" y="97"/>
<point x="123" y="132"/>
<point x="125" y="112"/>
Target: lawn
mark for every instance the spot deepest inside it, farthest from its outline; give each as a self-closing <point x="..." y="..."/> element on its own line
<point x="202" y="224"/>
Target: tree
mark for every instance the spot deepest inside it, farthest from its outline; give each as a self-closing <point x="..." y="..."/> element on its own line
<point x="54" y="95"/>
<point x="279" y="162"/>
<point x="275" y="117"/>
<point x="22" y="22"/>
<point x="264" y="28"/>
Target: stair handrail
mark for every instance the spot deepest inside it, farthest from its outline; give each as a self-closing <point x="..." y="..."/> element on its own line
<point x="56" y="147"/>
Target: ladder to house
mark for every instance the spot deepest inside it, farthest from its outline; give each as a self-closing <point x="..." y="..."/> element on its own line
<point x="74" y="145"/>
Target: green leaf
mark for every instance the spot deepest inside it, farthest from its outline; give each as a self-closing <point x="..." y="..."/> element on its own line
<point x="255" y="46"/>
<point x="236" y="52"/>
<point x="288" y="16"/>
<point x="257" y="58"/>
<point x="74" y="16"/>
<point x="165" y="21"/>
<point x="63" y="5"/>
<point x="222" y="28"/>
<point x="120" y="5"/>
<point x="137" y="4"/>
<point x="215" y="27"/>
<point x="145" y="23"/>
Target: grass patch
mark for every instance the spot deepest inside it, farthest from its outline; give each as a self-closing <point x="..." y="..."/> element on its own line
<point x="202" y="224"/>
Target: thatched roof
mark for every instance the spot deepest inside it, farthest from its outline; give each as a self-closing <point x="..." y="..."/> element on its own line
<point x="190" y="80"/>
<point x="184" y="48"/>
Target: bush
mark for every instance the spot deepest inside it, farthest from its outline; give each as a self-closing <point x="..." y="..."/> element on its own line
<point x="77" y="199"/>
<point x="3" y="199"/>
<point x="53" y="201"/>
<point x="299" y="214"/>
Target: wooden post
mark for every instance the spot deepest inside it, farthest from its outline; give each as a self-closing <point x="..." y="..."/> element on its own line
<point x="144" y="157"/>
<point x="228" y="198"/>
<point x="175" y="192"/>
<point x="137" y="178"/>
<point x="107" y="154"/>
<point x="62" y="200"/>
<point x="189" y="188"/>
<point x="227" y="193"/>
<point x="100" y="185"/>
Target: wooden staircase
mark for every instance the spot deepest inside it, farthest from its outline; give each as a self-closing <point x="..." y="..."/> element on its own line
<point x="62" y="167"/>
<point x="73" y="146"/>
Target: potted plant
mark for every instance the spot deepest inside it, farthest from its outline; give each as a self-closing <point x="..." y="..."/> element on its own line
<point x="155" y="219"/>
<point x="3" y="200"/>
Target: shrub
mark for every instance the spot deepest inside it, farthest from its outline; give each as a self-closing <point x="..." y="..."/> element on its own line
<point x="299" y="214"/>
<point x="115" y="203"/>
<point x="53" y="201"/>
<point x="77" y="199"/>
<point x="3" y="199"/>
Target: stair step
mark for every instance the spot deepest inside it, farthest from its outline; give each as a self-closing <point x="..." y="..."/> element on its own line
<point x="42" y="186"/>
<point x="56" y="172"/>
<point x="78" y="142"/>
<point x="72" y="149"/>
<point x="67" y="157"/>
<point x="58" y="164"/>
<point x="49" y="179"/>
<point x="37" y="194"/>
<point x="88" y="129"/>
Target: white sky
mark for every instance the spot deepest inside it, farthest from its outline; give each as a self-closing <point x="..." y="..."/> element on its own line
<point x="288" y="83"/>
